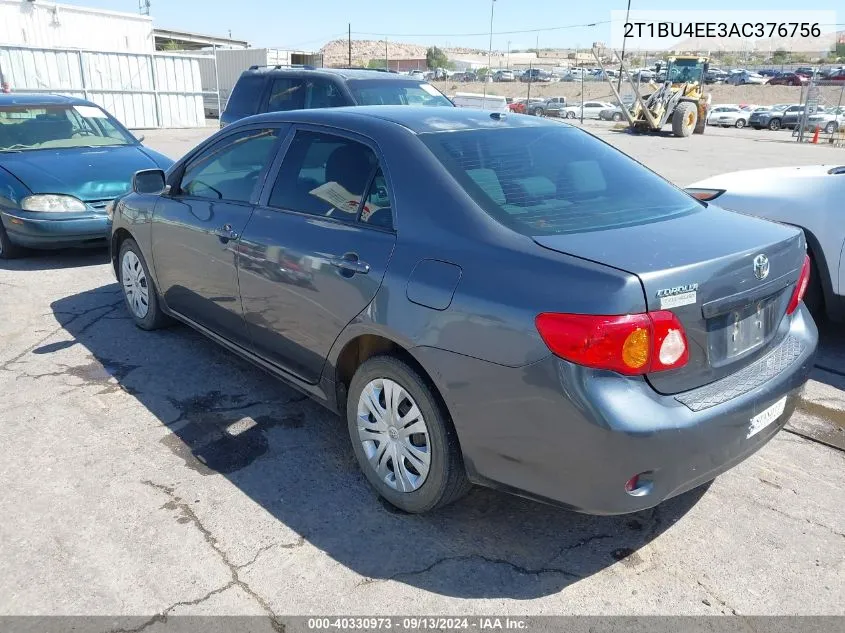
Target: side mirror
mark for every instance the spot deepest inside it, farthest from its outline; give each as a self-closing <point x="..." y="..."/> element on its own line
<point x="149" y="181"/>
<point x="706" y="67"/>
<point x="141" y="138"/>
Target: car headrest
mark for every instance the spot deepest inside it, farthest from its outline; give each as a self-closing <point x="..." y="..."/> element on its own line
<point x="350" y="166"/>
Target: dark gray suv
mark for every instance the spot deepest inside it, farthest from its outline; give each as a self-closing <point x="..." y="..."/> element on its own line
<point x="488" y="298"/>
<point x="282" y="88"/>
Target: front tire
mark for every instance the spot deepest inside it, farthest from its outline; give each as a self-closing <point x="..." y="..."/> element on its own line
<point x="831" y="128"/>
<point x="684" y="119"/>
<point x="539" y="112"/>
<point x="402" y="437"/>
<point x="774" y="125"/>
<point x="139" y="291"/>
<point x="570" y="115"/>
<point x="617" y="117"/>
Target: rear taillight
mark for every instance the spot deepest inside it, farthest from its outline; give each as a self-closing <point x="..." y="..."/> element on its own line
<point x="630" y="344"/>
<point x="800" y="287"/>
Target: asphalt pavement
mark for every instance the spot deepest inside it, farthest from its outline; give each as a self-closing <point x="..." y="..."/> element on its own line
<point x="155" y="473"/>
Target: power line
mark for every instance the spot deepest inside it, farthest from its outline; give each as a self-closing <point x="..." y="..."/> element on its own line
<point x="540" y="30"/>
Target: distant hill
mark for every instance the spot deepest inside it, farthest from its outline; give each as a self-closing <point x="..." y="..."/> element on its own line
<point x="336" y="52"/>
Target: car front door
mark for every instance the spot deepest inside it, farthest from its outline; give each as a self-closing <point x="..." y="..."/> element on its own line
<point x="324" y="232"/>
<point x="196" y="229"/>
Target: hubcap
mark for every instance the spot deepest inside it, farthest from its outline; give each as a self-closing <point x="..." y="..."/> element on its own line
<point x="135" y="284"/>
<point x="394" y="435"/>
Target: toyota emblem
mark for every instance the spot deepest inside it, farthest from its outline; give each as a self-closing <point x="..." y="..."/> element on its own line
<point x="761" y="267"/>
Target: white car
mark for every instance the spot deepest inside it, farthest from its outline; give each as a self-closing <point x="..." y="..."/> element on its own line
<point x="808" y="197"/>
<point x="728" y="116"/>
<point x="828" y="122"/>
<point x="591" y="110"/>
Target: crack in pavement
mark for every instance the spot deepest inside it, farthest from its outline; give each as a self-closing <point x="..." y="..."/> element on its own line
<point x="527" y="571"/>
<point x="62" y="326"/>
<point x="162" y="617"/>
<point x="176" y="503"/>
<point x="800" y="519"/>
<point x="716" y="597"/>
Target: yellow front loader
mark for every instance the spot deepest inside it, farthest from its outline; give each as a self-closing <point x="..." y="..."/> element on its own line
<point x="679" y="99"/>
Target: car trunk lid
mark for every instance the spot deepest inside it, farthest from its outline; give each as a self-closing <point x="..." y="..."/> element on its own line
<point x="728" y="278"/>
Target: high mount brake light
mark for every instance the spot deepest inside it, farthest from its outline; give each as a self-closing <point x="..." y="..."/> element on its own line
<point x="630" y="344"/>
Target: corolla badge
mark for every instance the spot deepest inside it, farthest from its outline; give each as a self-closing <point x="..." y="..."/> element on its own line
<point x="761" y="266"/>
<point x="677" y="296"/>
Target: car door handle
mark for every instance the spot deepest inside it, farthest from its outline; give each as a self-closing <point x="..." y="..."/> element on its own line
<point x="225" y="232"/>
<point x="351" y="263"/>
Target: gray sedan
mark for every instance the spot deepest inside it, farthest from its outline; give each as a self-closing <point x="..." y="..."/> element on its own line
<point x="491" y="299"/>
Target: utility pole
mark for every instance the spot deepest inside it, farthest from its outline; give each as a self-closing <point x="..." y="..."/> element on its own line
<point x="489" y="55"/>
<point x="350" y="43"/>
<point x="622" y="58"/>
<point x="509" y="55"/>
<point x="386" y="63"/>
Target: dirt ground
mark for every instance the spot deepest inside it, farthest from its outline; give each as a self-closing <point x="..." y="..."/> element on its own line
<point x="760" y="95"/>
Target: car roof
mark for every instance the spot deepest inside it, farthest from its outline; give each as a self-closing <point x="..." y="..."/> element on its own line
<point x="418" y="119"/>
<point x="35" y="99"/>
<point x="344" y="73"/>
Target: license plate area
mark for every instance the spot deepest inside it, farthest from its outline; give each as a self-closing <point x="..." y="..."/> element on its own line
<point x="741" y="331"/>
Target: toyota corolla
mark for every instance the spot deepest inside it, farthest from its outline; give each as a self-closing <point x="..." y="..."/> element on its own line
<point x="493" y="299"/>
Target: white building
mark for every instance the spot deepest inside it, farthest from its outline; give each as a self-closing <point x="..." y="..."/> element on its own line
<point x="35" y="23"/>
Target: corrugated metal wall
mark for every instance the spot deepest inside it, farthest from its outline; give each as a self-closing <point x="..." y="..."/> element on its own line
<point x="142" y="91"/>
<point x="62" y="26"/>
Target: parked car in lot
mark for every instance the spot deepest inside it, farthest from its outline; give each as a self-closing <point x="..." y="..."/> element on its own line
<point x="592" y="109"/>
<point x="743" y="77"/>
<point x="772" y="119"/>
<point x="553" y="106"/>
<point x="728" y="116"/>
<point x="838" y="75"/>
<point x="504" y="75"/>
<point x="792" y="117"/>
<point x="480" y="101"/>
<point x="651" y="372"/>
<point x="806" y="71"/>
<point x="281" y="89"/>
<point x="788" y="79"/>
<point x="62" y="161"/>
<point x="535" y="74"/>
<point x="809" y="197"/>
<point x="612" y="114"/>
<point x="829" y="122"/>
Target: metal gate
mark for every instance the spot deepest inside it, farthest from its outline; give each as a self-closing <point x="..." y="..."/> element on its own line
<point x="140" y="90"/>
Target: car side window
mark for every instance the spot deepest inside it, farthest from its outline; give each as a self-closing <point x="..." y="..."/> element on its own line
<point x="377" y="208"/>
<point x="229" y="169"/>
<point x="286" y="93"/>
<point x="321" y="93"/>
<point x="324" y="175"/>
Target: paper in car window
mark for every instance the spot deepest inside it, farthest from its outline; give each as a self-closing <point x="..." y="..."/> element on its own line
<point x="342" y="200"/>
<point x="89" y="112"/>
<point x="430" y="90"/>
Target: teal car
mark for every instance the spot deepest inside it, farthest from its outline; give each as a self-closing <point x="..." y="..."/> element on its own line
<point x="62" y="161"/>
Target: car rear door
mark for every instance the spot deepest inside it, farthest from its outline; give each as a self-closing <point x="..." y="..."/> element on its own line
<point x="322" y="236"/>
<point x="196" y="227"/>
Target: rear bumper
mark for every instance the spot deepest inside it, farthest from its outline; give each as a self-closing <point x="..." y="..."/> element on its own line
<point x="41" y="230"/>
<point x="570" y="435"/>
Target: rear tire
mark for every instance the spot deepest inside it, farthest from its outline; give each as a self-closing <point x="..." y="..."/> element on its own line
<point x="8" y="250"/>
<point x="684" y="119"/>
<point x="740" y="123"/>
<point x="570" y="115"/>
<point x="445" y="479"/>
<point x="831" y="128"/>
<point x="617" y="116"/>
<point x="139" y="291"/>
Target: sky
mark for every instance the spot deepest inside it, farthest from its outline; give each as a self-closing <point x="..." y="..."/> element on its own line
<point x="308" y="25"/>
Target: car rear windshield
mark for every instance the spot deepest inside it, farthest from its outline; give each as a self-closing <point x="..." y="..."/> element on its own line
<point x="393" y="92"/>
<point x="30" y="127"/>
<point x="552" y="180"/>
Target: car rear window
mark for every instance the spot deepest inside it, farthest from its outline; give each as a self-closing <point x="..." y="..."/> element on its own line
<point x="394" y="92"/>
<point x="246" y="95"/>
<point x="553" y="180"/>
